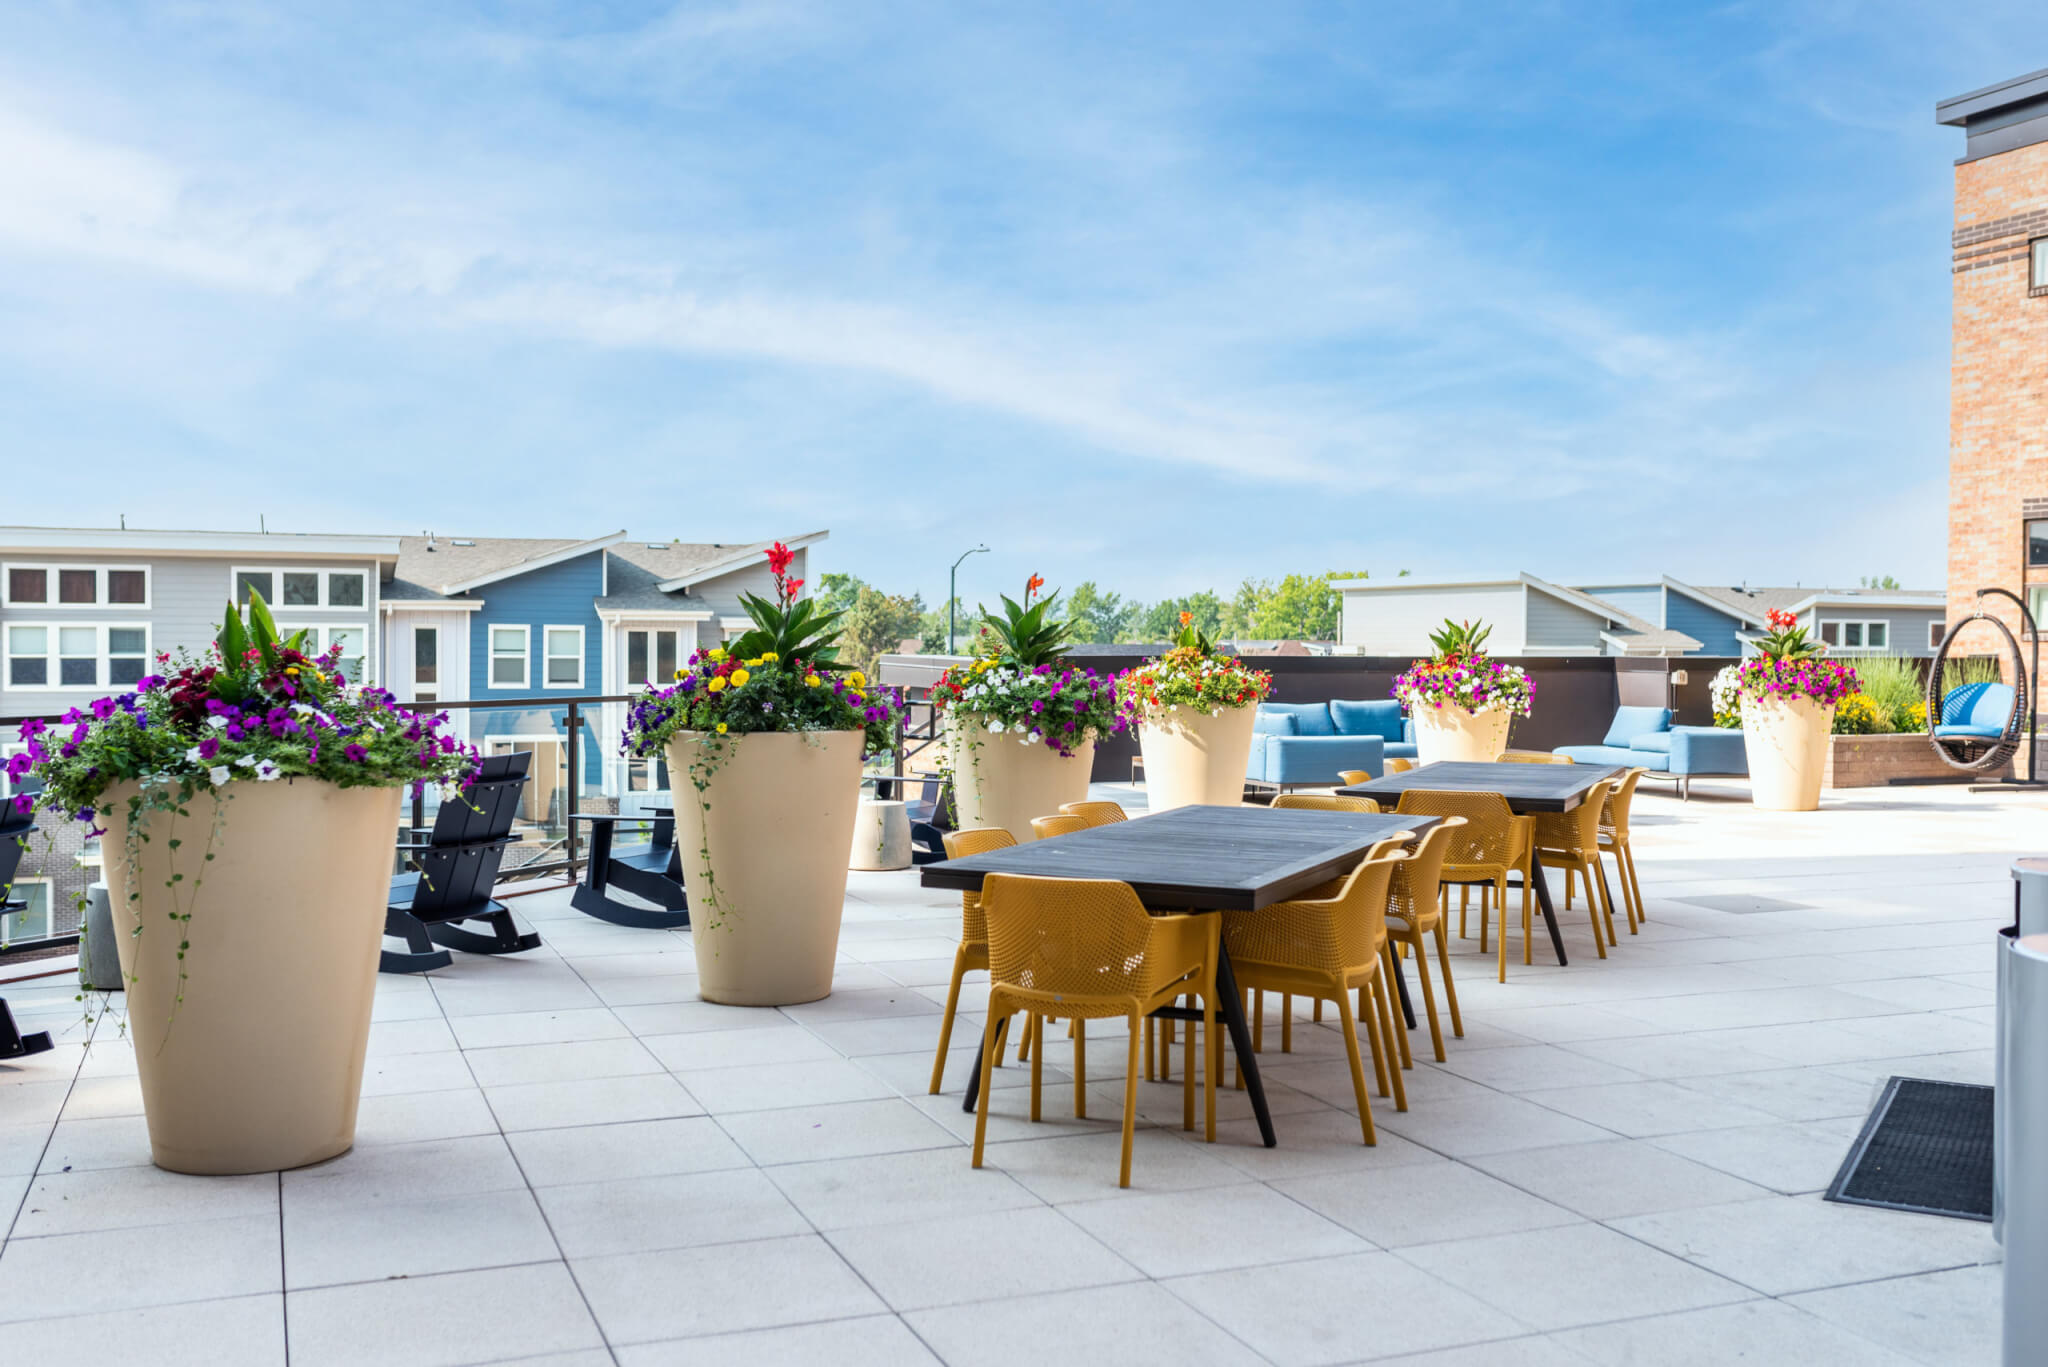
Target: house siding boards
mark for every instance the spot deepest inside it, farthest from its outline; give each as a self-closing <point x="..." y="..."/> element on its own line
<point x="1555" y="625"/>
<point x="1906" y="628"/>
<point x="1716" y="631"/>
<point x="1644" y="600"/>
<point x="187" y="597"/>
<point x="1399" y="621"/>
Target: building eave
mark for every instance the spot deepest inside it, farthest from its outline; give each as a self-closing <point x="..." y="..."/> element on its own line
<point x="1709" y="601"/>
<point x="538" y="562"/>
<point x="736" y="560"/>
<point x="270" y="545"/>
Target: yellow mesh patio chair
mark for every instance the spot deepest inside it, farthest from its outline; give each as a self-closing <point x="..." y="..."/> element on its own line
<point x="1614" y="840"/>
<point x="1095" y="813"/>
<point x="1329" y="948"/>
<point x="1492" y="844"/>
<point x="973" y="951"/>
<point x="1533" y="757"/>
<point x="1399" y="766"/>
<point x="1571" y="841"/>
<point x="1089" y="949"/>
<point x="1323" y="802"/>
<point x="1413" y="917"/>
<point x="1046" y="827"/>
<point x="1351" y="778"/>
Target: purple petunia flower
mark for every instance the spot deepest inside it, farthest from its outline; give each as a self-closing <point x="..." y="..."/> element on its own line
<point x="355" y="754"/>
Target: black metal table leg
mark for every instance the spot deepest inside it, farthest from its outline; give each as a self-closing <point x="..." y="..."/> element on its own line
<point x="1549" y="913"/>
<point x="1401" y="989"/>
<point x="1232" y="1003"/>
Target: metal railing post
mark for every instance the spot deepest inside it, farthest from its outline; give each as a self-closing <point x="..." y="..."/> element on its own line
<point x="575" y="777"/>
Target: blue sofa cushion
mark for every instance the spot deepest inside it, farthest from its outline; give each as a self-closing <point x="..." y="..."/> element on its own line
<point x="1966" y="731"/>
<point x="1957" y="702"/>
<point x="1265" y="723"/>
<point x="1401" y="749"/>
<point x="1708" y="750"/>
<point x="1310" y="718"/>
<point x="1314" y="759"/>
<point x="1380" y="718"/>
<point x="1630" y="722"/>
<point x="1656" y="742"/>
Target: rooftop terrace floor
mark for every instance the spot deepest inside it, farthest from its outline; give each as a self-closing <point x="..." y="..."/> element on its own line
<point x="566" y="1160"/>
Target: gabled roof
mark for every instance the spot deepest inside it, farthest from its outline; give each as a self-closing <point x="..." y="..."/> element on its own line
<point x="441" y="567"/>
<point x="1753" y="605"/>
<point x="733" y="559"/>
<point x="1734" y="602"/>
<point x="1628" y="632"/>
<point x="273" y="546"/>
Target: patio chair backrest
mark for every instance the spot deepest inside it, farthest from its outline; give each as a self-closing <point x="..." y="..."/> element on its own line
<point x="471" y="831"/>
<point x="486" y="809"/>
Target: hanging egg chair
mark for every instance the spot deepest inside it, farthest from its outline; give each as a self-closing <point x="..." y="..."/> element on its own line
<point x="1976" y="753"/>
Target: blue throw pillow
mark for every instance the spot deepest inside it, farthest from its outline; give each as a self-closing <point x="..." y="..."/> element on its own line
<point x="1310" y="718"/>
<point x="1380" y="718"/>
<point x="1270" y="723"/>
<point x="1630" y="722"/>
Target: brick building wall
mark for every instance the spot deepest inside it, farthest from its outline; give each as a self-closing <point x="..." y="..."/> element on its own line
<point x="1998" y="399"/>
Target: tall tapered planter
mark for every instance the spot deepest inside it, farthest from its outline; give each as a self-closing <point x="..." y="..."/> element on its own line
<point x="764" y="858"/>
<point x="1452" y="734"/>
<point x="1787" y="741"/>
<point x="260" y="1066"/>
<point x="1001" y="780"/>
<point x="1195" y="758"/>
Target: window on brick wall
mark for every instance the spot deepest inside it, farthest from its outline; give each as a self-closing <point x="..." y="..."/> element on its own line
<point x="2037" y="268"/>
<point x="2037" y="545"/>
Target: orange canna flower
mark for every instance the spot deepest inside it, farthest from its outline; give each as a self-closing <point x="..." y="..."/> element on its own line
<point x="1186" y="617"/>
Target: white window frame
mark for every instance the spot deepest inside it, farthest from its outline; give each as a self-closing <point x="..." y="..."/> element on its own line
<point x="1866" y="623"/>
<point x="320" y="635"/>
<point x="1936" y="633"/>
<point x="491" y="656"/>
<point x="52" y="603"/>
<point x="546" y="657"/>
<point x="320" y="572"/>
<point x="653" y="635"/>
<point x="18" y="931"/>
<point x="103" y="660"/>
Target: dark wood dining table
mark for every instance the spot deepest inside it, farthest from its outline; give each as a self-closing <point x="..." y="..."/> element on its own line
<point x="1528" y="788"/>
<point x="1201" y="859"/>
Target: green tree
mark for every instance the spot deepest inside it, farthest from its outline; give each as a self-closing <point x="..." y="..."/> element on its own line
<point x="1243" y="608"/>
<point x="836" y="592"/>
<point x="1303" y="607"/>
<point x="877" y="624"/>
<point x="1094" y="615"/>
<point x="1161" y="621"/>
<point x="1879" y="582"/>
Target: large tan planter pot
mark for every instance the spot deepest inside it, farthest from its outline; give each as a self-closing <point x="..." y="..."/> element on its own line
<point x="1787" y="740"/>
<point x="261" y="1066"/>
<point x="764" y="848"/>
<point x="1000" y="781"/>
<point x="1457" y="735"/>
<point x="1195" y="758"/>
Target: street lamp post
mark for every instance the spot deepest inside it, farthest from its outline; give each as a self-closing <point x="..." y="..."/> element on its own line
<point x="953" y="593"/>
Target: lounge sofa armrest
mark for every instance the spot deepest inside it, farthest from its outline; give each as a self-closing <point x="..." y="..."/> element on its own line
<point x="1321" y="759"/>
<point x="1708" y="750"/>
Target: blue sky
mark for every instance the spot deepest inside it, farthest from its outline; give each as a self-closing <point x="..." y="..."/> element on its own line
<point x="1163" y="295"/>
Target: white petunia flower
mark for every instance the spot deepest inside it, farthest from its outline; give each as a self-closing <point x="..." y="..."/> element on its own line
<point x="246" y="762"/>
<point x="265" y="771"/>
<point x="217" y="775"/>
<point x="995" y="727"/>
<point x="217" y="721"/>
<point x="193" y="756"/>
<point x="303" y="709"/>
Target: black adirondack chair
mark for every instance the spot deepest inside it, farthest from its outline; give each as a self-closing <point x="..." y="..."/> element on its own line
<point x="931" y="816"/>
<point x="457" y="869"/>
<point x="14" y="829"/>
<point x="651" y="869"/>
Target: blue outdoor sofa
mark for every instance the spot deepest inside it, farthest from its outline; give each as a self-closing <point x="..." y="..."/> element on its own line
<point x="1644" y="738"/>
<point x="1298" y="745"/>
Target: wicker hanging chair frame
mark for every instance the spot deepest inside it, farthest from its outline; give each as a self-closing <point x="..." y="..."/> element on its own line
<point x="2008" y="743"/>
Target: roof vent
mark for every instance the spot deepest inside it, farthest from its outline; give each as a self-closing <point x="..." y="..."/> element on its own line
<point x="462" y="543"/>
<point x="657" y="545"/>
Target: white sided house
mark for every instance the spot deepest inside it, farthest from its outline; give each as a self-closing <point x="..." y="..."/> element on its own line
<point x="1529" y="616"/>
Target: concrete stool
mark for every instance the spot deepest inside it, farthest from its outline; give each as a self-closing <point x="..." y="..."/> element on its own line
<point x="99" y="960"/>
<point x="881" y="836"/>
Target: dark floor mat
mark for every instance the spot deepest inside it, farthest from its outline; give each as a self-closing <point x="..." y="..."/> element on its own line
<point x="1926" y="1148"/>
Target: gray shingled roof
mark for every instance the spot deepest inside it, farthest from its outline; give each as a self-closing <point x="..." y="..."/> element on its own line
<point x="427" y="566"/>
<point x="1763" y="598"/>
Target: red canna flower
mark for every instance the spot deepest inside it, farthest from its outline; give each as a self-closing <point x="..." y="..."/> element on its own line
<point x="780" y="558"/>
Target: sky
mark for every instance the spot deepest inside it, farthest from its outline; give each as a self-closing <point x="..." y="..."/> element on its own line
<point x="1159" y="295"/>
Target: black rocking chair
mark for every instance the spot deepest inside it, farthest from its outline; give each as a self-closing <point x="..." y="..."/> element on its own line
<point x="931" y="816"/>
<point x="651" y="870"/>
<point x="457" y="869"/>
<point x="14" y="830"/>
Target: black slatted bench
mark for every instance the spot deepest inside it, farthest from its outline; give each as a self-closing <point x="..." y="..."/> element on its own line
<point x="14" y="831"/>
<point x="651" y="870"/>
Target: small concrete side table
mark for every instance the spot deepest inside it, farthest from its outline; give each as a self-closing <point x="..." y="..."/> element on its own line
<point x="881" y="836"/>
<point x="99" y="960"/>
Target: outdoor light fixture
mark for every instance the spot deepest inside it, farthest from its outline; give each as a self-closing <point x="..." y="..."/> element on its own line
<point x="953" y="594"/>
